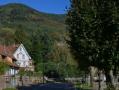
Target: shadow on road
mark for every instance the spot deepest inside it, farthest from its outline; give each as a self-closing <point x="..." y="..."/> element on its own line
<point x="48" y="86"/>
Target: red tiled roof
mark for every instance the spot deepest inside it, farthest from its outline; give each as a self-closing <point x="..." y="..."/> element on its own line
<point x="8" y="50"/>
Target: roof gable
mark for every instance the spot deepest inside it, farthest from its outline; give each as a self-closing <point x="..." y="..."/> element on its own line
<point x="21" y="46"/>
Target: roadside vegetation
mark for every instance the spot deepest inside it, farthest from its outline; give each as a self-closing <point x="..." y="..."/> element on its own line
<point x="3" y="67"/>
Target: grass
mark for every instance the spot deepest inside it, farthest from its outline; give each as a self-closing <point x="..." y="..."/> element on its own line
<point x="83" y="86"/>
<point x="10" y="89"/>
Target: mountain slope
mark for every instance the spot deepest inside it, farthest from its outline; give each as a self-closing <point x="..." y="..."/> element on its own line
<point x="21" y="18"/>
<point x="13" y="16"/>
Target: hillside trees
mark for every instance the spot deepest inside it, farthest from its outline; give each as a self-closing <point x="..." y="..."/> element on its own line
<point x="46" y="51"/>
<point x="20" y="36"/>
<point x="94" y="35"/>
<point x="65" y="64"/>
<point x="21" y="24"/>
<point x="41" y="47"/>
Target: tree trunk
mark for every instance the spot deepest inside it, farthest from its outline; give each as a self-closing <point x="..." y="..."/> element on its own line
<point x="92" y="77"/>
<point x="99" y="83"/>
<point x="85" y="78"/>
<point x="100" y="80"/>
<point x="109" y="79"/>
<point x="116" y="82"/>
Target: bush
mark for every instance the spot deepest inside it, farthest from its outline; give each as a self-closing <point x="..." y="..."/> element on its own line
<point x="3" y="67"/>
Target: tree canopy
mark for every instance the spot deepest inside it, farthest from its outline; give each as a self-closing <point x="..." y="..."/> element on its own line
<point x="94" y="34"/>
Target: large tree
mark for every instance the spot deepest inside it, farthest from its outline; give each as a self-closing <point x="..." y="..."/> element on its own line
<point x="94" y="35"/>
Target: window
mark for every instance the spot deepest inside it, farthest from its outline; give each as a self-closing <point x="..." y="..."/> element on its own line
<point x="23" y="56"/>
<point x="17" y="55"/>
<point x="20" y="49"/>
<point x="20" y="55"/>
<point x="24" y="64"/>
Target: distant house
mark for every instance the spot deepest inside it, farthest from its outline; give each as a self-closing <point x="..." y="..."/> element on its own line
<point x="17" y="57"/>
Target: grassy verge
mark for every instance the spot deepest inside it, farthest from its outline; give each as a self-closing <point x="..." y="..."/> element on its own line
<point x="83" y="87"/>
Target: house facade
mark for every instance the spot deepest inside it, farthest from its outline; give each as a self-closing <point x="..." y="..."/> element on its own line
<point x="22" y="57"/>
<point x="17" y="57"/>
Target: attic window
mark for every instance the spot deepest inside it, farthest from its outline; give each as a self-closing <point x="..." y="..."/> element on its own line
<point x="20" y="49"/>
<point x="17" y="55"/>
<point x="23" y="56"/>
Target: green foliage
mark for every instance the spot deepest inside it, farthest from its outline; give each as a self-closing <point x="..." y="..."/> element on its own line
<point x="93" y="34"/>
<point x="36" y="30"/>
<point x="92" y="37"/>
<point x="22" y="72"/>
<point x="85" y="87"/>
<point x="20" y="36"/>
<point x="41" y="47"/>
<point x="39" y="32"/>
<point x="20" y="17"/>
<point x="18" y="22"/>
<point x="3" y="68"/>
<point x="78" y="33"/>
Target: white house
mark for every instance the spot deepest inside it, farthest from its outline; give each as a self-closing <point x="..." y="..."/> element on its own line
<point x="22" y="57"/>
<point x="16" y="56"/>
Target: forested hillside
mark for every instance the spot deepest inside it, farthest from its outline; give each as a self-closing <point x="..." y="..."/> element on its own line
<point x="42" y="34"/>
<point x="18" y="16"/>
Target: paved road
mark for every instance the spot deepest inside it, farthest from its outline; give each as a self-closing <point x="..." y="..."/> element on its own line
<point x="49" y="86"/>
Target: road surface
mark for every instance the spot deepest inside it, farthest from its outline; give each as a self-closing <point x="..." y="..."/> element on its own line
<point x="48" y="86"/>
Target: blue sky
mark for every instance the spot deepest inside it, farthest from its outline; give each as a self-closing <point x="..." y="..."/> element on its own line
<point x="48" y="6"/>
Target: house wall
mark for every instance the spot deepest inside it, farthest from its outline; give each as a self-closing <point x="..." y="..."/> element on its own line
<point x="22" y="57"/>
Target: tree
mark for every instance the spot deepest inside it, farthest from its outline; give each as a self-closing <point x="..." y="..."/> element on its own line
<point x="93" y="34"/>
<point x="3" y="67"/>
<point x="41" y="47"/>
<point x="21" y="36"/>
<point x="22" y="72"/>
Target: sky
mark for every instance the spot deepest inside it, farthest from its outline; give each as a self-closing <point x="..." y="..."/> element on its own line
<point x="48" y="6"/>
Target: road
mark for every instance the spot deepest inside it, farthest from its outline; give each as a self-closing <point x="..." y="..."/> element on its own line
<point x="48" y="86"/>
